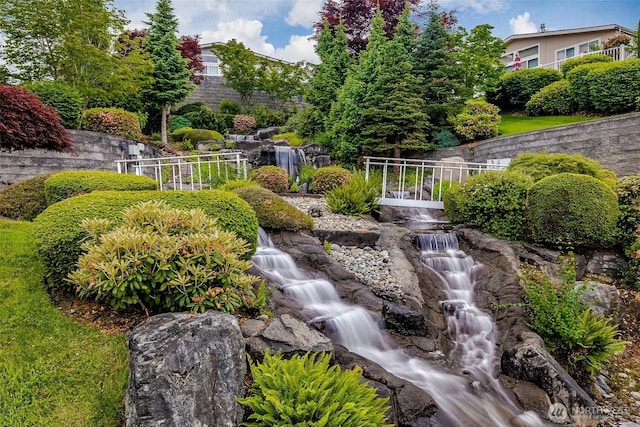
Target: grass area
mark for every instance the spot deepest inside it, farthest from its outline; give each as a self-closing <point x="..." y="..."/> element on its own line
<point x="53" y="371"/>
<point x="512" y="124"/>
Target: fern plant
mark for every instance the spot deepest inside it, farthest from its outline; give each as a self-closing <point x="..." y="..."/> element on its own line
<point x="306" y="391"/>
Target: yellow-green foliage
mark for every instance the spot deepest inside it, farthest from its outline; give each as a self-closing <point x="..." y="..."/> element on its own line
<point x="59" y="235"/>
<point x="273" y="178"/>
<point x="24" y="200"/>
<point x="72" y="183"/>
<point x="570" y="210"/>
<point x="572" y="63"/>
<point x="274" y="213"/>
<point x="306" y="391"/>
<point x="452" y="201"/>
<point x="551" y="100"/>
<point x="356" y="197"/>
<point x="238" y="183"/>
<point x="327" y="178"/>
<point x="292" y="138"/>
<point x="168" y="259"/>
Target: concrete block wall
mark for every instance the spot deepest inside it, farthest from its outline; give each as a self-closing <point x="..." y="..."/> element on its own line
<point x="94" y="151"/>
<point x="212" y="90"/>
<point x="614" y="142"/>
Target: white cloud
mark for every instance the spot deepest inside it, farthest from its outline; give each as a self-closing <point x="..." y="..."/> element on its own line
<point x="304" y="13"/>
<point x="478" y="6"/>
<point x="522" y="24"/>
<point x="300" y="48"/>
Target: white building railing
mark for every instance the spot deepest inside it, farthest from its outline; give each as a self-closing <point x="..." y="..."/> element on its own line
<point x="421" y="183"/>
<point x="617" y="53"/>
<point x="188" y="172"/>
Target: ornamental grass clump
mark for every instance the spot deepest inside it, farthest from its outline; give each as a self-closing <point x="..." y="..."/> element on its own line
<point x="306" y="391"/>
<point x="165" y="259"/>
<point x="355" y="198"/>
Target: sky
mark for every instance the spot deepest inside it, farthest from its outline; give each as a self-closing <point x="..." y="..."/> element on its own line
<point x="282" y="28"/>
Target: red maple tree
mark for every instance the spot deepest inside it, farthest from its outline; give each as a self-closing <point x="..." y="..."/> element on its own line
<point x="25" y="122"/>
<point x="189" y="47"/>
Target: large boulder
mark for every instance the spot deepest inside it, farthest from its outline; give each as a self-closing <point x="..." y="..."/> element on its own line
<point x="186" y="370"/>
<point x="603" y="299"/>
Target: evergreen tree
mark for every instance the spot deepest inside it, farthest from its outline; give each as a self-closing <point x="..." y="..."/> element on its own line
<point x="435" y="63"/>
<point x="170" y="73"/>
<point x="346" y="112"/>
<point x="395" y="120"/>
<point x="330" y="74"/>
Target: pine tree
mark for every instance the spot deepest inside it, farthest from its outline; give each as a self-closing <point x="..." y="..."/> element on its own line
<point x="170" y="73"/>
<point x="394" y="120"/>
<point x="435" y="63"/>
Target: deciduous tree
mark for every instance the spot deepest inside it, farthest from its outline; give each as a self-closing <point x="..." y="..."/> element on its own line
<point x="189" y="47"/>
<point x="240" y="68"/>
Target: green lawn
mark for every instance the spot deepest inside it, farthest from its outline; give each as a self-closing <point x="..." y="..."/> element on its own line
<point x="512" y="124"/>
<point x="53" y="371"/>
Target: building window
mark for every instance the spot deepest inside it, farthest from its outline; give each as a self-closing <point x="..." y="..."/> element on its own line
<point x="589" y="47"/>
<point x="532" y="63"/>
<point x="531" y="51"/>
<point x="211" y="65"/>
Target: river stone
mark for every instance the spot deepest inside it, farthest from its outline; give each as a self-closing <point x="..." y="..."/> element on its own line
<point x="530" y="361"/>
<point x="186" y="370"/>
<point x="403" y="320"/>
<point x="603" y="299"/>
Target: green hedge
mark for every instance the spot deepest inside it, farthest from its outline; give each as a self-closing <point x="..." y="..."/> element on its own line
<point x="199" y="135"/>
<point x="114" y="121"/>
<point x="614" y="86"/>
<point x="479" y="120"/>
<point x="551" y="100"/>
<point x="629" y="205"/>
<point x="59" y="234"/>
<point x="64" y="98"/>
<point x="24" y="200"/>
<point x="570" y="211"/>
<point x="452" y="201"/>
<point x="273" y="212"/>
<point x="494" y="201"/>
<point x="572" y="63"/>
<point x="578" y="88"/>
<point x="541" y="165"/>
<point x="517" y="88"/>
<point x="72" y="183"/>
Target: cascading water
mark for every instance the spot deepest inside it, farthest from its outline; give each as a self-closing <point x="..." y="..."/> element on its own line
<point x="290" y="159"/>
<point x="473" y="400"/>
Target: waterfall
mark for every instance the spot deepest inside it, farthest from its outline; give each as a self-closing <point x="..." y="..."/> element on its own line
<point x="290" y="159"/>
<point x="463" y="401"/>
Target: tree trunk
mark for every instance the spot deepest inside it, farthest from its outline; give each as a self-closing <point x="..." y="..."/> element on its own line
<point x="163" y="124"/>
<point x="396" y="155"/>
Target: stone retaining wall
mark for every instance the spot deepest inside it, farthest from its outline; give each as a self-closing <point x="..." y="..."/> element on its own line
<point x="614" y="142"/>
<point x="94" y="151"/>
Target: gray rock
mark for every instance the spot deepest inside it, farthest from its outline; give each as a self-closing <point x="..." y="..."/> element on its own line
<point x="451" y="171"/>
<point x="529" y="361"/>
<point x="603" y="299"/>
<point x="252" y="327"/>
<point x="315" y="211"/>
<point x="210" y="145"/>
<point x="186" y="370"/>
<point x="322" y="160"/>
<point x="606" y="263"/>
<point x="403" y="320"/>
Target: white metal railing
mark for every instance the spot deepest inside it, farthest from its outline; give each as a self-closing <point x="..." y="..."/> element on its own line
<point x="617" y="53"/>
<point x="187" y="172"/>
<point x="421" y="183"/>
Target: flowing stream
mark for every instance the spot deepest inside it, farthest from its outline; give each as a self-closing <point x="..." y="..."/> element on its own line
<point x="474" y="398"/>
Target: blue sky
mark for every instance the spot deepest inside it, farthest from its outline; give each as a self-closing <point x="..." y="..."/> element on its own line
<point x="281" y="28"/>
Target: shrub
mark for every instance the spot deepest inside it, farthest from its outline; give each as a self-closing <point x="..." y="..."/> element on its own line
<point x="541" y="165"/>
<point x="515" y="89"/>
<point x="273" y="212"/>
<point x="224" y="122"/>
<point x="199" y="135"/>
<point x="292" y="138"/>
<point x="356" y="197"/>
<point x="445" y="138"/>
<point x="204" y="118"/>
<point x="179" y="122"/>
<point x="307" y="122"/>
<point x="273" y="178"/>
<point x="572" y="63"/>
<point x="327" y="178"/>
<point x="59" y="235"/>
<point x="580" y="93"/>
<point x="629" y="210"/>
<point x="238" y="183"/>
<point x="570" y="210"/>
<point x="452" y="201"/>
<point x="306" y="174"/>
<point x="440" y="188"/>
<point x="63" y="98"/>
<point x="305" y="391"/>
<point x="189" y="108"/>
<point x="494" y="201"/>
<point x="24" y="200"/>
<point x="228" y="106"/>
<point x="551" y="100"/>
<point x="178" y="134"/>
<point x="25" y="122"/>
<point x="478" y="120"/>
<point x="244" y="124"/>
<point x="632" y="275"/>
<point x="63" y="185"/>
<point x="114" y="121"/>
<point x="614" y="86"/>
<point x="264" y="118"/>
<point x="166" y="259"/>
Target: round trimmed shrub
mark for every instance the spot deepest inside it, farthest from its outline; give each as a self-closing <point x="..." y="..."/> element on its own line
<point x="495" y="201"/>
<point x="572" y="63"/>
<point x="59" y="235"/>
<point x="167" y="259"/>
<point x="199" y="135"/>
<point x="327" y="178"/>
<point x="273" y="212"/>
<point x="571" y="211"/>
<point x="273" y="178"/>
<point x="67" y="184"/>
<point x="306" y="391"/>
<point x="580" y="93"/>
<point x="63" y="98"/>
<point x="24" y="200"/>
<point x="517" y="88"/>
<point x="551" y="100"/>
<point x="541" y="165"/>
<point x="232" y="184"/>
<point x="479" y="120"/>
<point x="614" y="86"/>
<point x="114" y="121"/>
<point x="228" y="106"/>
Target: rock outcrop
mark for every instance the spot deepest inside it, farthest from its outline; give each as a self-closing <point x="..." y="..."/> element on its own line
<point x="186" y="370"/>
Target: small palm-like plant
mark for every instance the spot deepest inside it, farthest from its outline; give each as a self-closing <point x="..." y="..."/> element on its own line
<point x="356" y="197"/>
